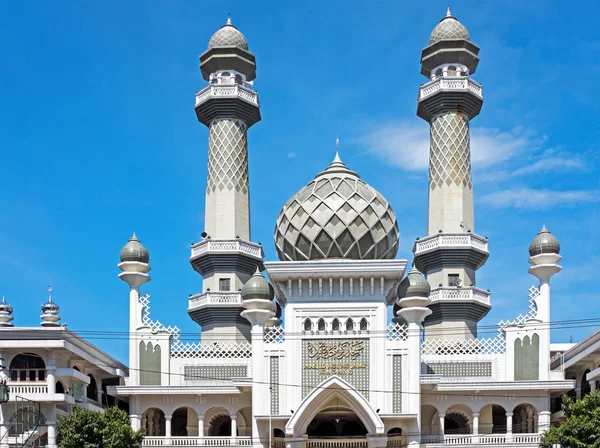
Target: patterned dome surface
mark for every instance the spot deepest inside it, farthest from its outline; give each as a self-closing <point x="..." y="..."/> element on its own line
<point x="337" y="215"/>
<point x="544" y="243"/>
<point x="228" y="36"/>
<point x="134" y="250"/>
<point x="448" y="28"/>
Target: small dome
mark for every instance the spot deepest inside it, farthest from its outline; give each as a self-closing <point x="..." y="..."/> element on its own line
<point x="448" y="29"/>
<point x="337" y="215"/>
<point x="134" y="251"/>
<point x="544" y="243"/>
<point x="414" y="285"/>
<point x="50" y="307"/>
<point x="5" y="307"/>
<point x="228" y="36"/>
<point x="257" y="288"/>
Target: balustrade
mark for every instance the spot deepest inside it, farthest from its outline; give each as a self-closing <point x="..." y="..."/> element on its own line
<point x="450" y="84"/>
<point x="227" y="91"/>
<point x="205" y="246"/>
<point x="197" y="441"/>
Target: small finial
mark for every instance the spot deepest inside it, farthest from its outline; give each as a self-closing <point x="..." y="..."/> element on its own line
<point x="337" y="149"/>
<point x="228" y="18"/>
<point x="448" y="13"/>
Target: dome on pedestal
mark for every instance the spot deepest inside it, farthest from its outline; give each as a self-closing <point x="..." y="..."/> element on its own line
<point x="134" y="250"/>
<point x="544" y="243"/>
<point x="337" y="215"/>
<point x="257" y="287"/>
<point x="448" y="29"/>
<point x="228" y="36"/>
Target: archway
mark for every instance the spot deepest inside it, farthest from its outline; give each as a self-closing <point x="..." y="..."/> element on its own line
<point x="430" y="422"/>
<point x="27" y="367"/>
<point x="336" y="393"/>
<point x="336" y="419"/>
<point x="457" y="420"/>
<point x="184" y="422"/>
<point x="525" y="419"/>
<point x="492" y="419"/>
<point x="92" y="389"/>
<point x="153" y="421"/>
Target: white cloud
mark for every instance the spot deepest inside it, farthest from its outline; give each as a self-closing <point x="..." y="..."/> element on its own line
<point x="539" y="199"/>
<point x="406" y="145"/>
<point x="291" y="155"/>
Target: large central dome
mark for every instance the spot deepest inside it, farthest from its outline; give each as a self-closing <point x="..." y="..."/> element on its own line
<point x="337" y="215"/>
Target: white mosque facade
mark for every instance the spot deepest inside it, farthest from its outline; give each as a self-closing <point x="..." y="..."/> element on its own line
<point x="374" y="351"/>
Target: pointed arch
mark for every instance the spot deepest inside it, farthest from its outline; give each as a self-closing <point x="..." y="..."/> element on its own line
<point x="307" y="324"/>
<point x="334" y="387"/>
<point x="321" y="324"/>
<point x="349" y="324"/>
<point x="335" y="324"/>
<point x="364" y="325"/>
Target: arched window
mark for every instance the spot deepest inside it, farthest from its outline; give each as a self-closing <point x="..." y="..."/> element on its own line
<point x="364" y="325"/>
<point x="335" y="324"/>
<point x="321" y="325"/>
<point x="395" y="432"/>
<point x="92" y="389"/>
<point x="238" y="79"/>
<point x="439" y="72"/>
<point x="307" y="325"/>
<point x="27" y="367"/>
<point x="349" y="324"/>
<point x="60" y="389"/>
<point x="452" y="71"/>
<point x="225" y="78"/>
<point x="278" y="432"/>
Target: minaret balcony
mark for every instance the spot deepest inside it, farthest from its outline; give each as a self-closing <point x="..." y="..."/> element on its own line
<point x="227" y="101"/>
<point x="206" y="299"/>
<point x="236" y="254"/>
<point x="470" y="294"/>
<point x="444" y="94"/>
<point x="465" y="249"/>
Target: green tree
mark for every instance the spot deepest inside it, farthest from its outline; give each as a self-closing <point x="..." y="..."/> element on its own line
<point x="88" y="429"/>
<point x="581" y="427"/>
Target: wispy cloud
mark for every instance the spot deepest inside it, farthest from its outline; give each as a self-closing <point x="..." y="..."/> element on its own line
<point x="291" y="155"/>
<point x="406" y="144"/>
<point x="527" y="198"/>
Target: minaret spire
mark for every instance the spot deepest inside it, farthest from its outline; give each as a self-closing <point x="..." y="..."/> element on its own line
<point x="451" y="253"/>
<point x="228" y="19"/>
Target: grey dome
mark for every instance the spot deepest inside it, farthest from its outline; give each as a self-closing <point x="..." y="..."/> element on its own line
<point x="414" y="285"/>
<point x="6" y="307"/>
<point x="228" y="36"/>
<point x="134" y="251"/>
<point x="544" y="243"/>
<point x="337" y="215"/>
<point x="257" y="287"/>
<point x="448" y="29"/>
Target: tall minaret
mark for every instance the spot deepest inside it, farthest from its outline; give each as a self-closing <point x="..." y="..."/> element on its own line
<point x="452" y="252"/>
<point x="226" y="258"/>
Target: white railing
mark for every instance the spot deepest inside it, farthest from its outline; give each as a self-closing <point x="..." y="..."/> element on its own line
<point x="215" y="298"/>
<point x="244" y="247"/>
<point x="397" y="441"/>
<point x="396" y="332"/>
<point x="450" y="84"/>
<point x="526" y="438"/>
<point x="337" y="443"/>
<point x="451" y="239"/>
<point x="226" y="350"/>
<point x="482" y="439"/>
<point x="468" y="293"/>
<point x="197" y="441"/>
<point x="18" y="388"/>
<point x="231" y="91"/>
<point x="491" y="439"/>
<point x="484" y="346"/>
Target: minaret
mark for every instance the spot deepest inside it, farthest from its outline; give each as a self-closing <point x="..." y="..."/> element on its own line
<point x="6" y="318"/>
<point x="134" y="264"/>
<point x="226" y="258"/>
<point x="452" y="252"/>
<point x="50" y="311"/>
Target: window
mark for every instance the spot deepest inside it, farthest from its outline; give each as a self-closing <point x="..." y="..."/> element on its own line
<point x="349" y="325"/>
<point x="321" y="325"/>
<point x="224" y="284"/>
<point x="453" y="280"/>
<point x="27" y="367"/>
<point x="307" y="325"/>
<point x="335" y="325"/>
<point x="363" y="324"/>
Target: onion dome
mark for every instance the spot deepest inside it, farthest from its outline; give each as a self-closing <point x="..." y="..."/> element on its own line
<point x="134" y="250"/>
<point x="228" y="36"/>
<point x="448" y="29"/>
<point x="337" y="215"/>
<point x="257" y="287"/>
<point x="50" y="307"/>
<point x="5" y="307"/>
<point x="544" y="243"/>
<point x="414" y="285"/>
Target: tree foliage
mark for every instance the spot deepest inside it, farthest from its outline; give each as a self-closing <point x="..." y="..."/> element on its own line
<point x="581" y="427"/>
<point x="88" y="429"/>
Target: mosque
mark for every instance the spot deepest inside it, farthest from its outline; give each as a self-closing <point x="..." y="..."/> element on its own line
<point x="375" y="351"/>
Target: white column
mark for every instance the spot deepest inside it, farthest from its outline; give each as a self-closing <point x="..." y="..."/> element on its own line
<point x="51" y="434"/>
<point x="593" y="386"/>
<point x="51" y="378"/>
<point x="201" y="426"/>
<point x="168" y="425"/>
<point x="414" y="381"/>
<point x="134" y="343"/>
<point x="543" y="421"/>
<point x="543" y="302"/>
<point x="442" y="417"/>
<point x="234" y="426"/>
<point x="509" y="416"/>
<point x="475" y="427"/>
<point x="135" y="421"/>
<point x="260" y="386"/>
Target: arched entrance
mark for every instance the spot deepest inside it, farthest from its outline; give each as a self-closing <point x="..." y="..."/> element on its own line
<point x="336" y="420"/>
<point x="334" y="409"/>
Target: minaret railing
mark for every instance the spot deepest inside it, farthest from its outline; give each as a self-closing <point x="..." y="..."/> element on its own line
<point x="233" y="91"/>
<point x="450" y="84"/>
<point x="451" y="239"/>
<point x="205" y="246"/>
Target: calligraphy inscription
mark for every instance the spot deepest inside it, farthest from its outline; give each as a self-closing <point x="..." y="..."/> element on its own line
<point x="343" y="354"/>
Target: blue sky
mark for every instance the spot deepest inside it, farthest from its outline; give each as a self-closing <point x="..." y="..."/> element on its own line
<point x="100" y="139"/>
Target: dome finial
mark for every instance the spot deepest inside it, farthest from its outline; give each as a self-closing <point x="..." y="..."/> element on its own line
<point x="228" y="19"/>
<point x="337" y="149"/>
<point x="5" y="314"/>
<point x="50" y="310"/>
<point x="448" y="13"/>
